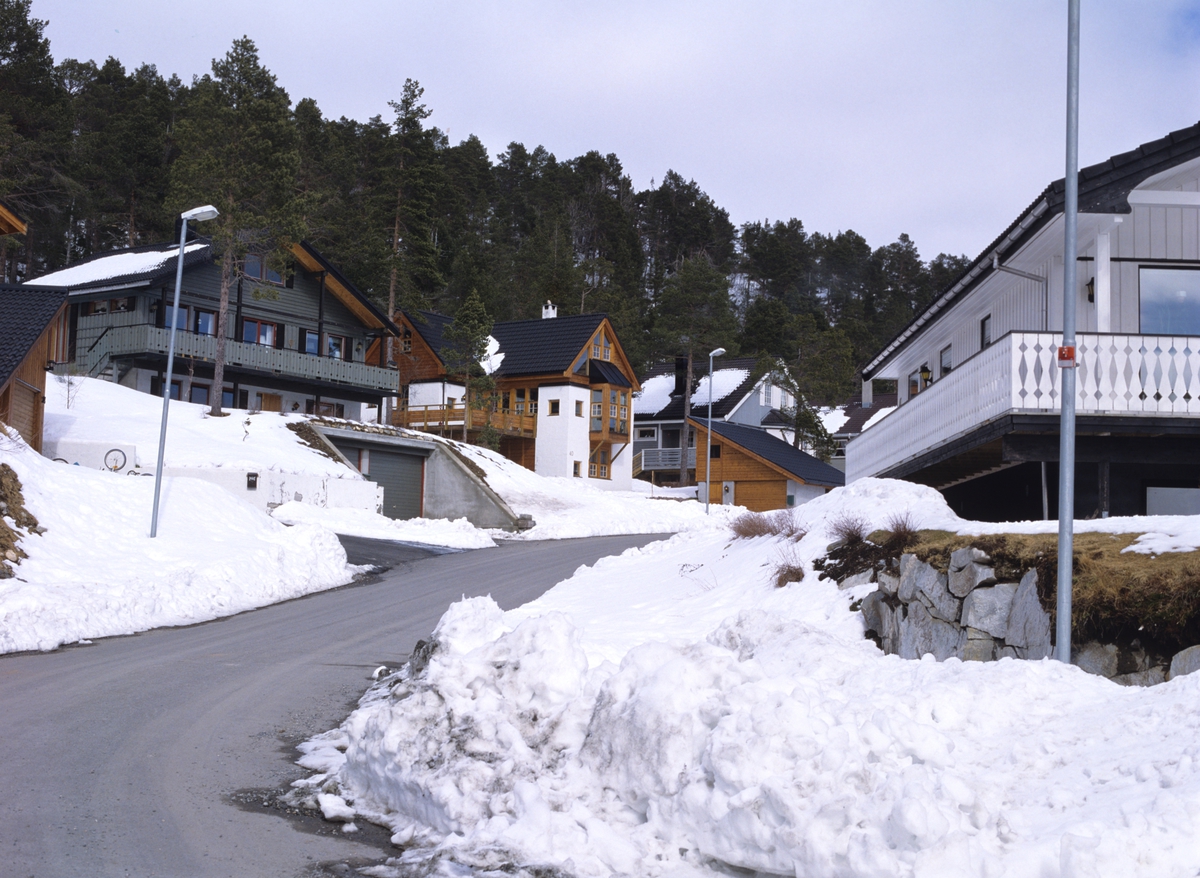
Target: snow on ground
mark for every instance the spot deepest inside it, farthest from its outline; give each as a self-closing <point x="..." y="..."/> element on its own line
<point x="116" y="265"/>
<point x="669" y="713"/>
<point x="90" y="409"/>
<point x="460" y="534"/>
<point x="569" y="508"/>
<point x="95" y="572"/>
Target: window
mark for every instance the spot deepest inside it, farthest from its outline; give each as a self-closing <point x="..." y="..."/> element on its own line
<point x="592" y="470"/>
<point x="944" y="363"/>
<point x="255" y="267"/>
<point x="985" y="332"/>
<point x="325" y="409"/>
<point x="259" y="332"/>
<point x="310" y="342"/>
<point x="607" y="350"/>
<point x="125" y="304"/>
<point x="206" y="323"/>
<point x="575" y="469"/>
<point x="716" y="452"/>
<point x="553" y="407"/>
<point x="336" y="347"/>
<point x="1170" y="301"/>
<point x="520" y="401"/>
<point x="100" y="307"/>
<point x="181" y="317"/>
<point x="198" y="394"/>
<point x="914" y="383"/>
<point x="647" y="433"/>
<point x="579" y="408"/>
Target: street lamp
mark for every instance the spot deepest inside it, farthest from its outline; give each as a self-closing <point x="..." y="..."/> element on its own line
<point x="719" y="352"/>
<point x="199" y="214"/>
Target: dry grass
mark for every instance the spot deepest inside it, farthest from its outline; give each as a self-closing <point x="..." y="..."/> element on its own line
<point x="12" y="506"/>
<point x="780" y="523"/>
<point x="788" y="568"/>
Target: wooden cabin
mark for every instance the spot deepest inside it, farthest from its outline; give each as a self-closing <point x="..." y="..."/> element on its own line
<point x="752" y="468"/>
<point x="32" y="334"/>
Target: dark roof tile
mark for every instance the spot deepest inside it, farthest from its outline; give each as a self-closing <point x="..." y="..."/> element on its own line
<point x="538" y="347"/>
<point x="25" y="312"/>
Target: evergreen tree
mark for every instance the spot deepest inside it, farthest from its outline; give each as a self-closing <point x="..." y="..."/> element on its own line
<point x="238" y="152"/>
<point x="466" y="344"/>
<point x="693" y="315"/>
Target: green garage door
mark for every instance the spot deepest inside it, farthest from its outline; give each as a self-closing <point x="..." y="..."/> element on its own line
<point x="402" y="476"/>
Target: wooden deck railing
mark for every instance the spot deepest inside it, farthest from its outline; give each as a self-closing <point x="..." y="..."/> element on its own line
<point x="437" y="419"/>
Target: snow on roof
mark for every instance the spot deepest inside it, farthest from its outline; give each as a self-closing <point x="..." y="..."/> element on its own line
<point x="122" y="264"/>
<point x="492" y="358"/>
<point x="878" y="416"/>
<point x="655" y="395"/>
<point x="656" y="391"/>
<point x="833" y="419"/>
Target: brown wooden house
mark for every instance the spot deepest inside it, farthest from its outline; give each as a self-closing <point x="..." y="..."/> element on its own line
<point x="32" y="334"/>
<point x="752" y="468"/>
<point x="10" y="223"/>
<point x="563" y="399"/>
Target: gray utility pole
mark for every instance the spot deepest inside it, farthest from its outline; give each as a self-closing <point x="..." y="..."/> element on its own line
<point x="1066" y="353"/>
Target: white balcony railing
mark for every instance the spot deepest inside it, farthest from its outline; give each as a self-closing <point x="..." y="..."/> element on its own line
<point x="1117" y="374"/>
<point x="664" y="458"/>
<point x="95" y="352"/>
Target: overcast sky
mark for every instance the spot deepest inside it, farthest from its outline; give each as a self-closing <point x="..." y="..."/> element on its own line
<point x="939" y="119"/>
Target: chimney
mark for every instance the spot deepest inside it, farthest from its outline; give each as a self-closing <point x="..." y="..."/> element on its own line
<point x="549" y="311"/>
<point x="680" y="377"/>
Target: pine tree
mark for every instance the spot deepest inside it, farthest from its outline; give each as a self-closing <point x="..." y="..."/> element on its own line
<point x="238" y="152"/>
<point x="693" y="315"/>
<point x="467" y="343"/>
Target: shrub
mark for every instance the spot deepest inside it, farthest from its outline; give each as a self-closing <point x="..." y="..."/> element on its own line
<point x="758" y="524"/>
<point x="850" y="529"/>
<point x="787" y="569"/>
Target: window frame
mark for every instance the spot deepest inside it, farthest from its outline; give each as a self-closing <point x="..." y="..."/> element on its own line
<point x="985" y="332"/>
<point x="554" y="408"/>
<point x="944" y="355"/>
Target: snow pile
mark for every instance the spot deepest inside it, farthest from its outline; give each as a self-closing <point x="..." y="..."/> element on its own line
<point x="570" y="508"/>
<point x="668" y="712"/>
<point x="116" y="265"/>
<point x="102" y="410"/>
<point x="460" y="534"/>
<point x="95" y="572"/>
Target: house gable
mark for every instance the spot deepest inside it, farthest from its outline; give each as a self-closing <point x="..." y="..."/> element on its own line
<point x="10" y="222"/>
<point x="769" y="452"/>
<point x="30" y="325"/>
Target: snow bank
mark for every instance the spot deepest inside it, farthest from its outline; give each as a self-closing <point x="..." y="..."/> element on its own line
<point x="95" y="572"/>
<point x="569" y="508"/>
<point x="668" y="712"/>
<point x="90" y="409"/>
<point x="460" y="534"/>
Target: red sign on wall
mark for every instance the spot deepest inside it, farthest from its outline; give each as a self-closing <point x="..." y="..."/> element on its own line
<point x="1066" y="356"/>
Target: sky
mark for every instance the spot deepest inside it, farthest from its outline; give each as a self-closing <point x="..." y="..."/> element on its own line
<point x="939" y="119"/>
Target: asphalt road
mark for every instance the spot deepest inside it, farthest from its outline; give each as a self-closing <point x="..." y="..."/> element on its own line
<point x="152" y="755"/>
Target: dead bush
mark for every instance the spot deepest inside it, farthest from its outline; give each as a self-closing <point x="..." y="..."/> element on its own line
<point x="787" y="569"/>
<point x="848" y="528"/>
<point x="759" y="524"/>
<point x="901" y="528"/>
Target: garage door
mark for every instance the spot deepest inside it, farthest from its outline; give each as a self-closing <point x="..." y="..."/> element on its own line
<point x="401" y="475"/>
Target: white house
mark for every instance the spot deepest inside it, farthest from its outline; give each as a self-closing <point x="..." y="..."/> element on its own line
<point x="978" y="382"/>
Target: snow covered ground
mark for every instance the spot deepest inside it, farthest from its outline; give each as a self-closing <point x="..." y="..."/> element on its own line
<point x="669" y="713"/>
<point x="95" y="572"/>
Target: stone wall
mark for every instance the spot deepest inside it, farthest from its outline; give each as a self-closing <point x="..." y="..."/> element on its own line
<point x="965" y="613"/>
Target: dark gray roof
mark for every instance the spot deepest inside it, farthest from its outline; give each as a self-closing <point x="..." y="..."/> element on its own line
<point x="108" y="270"/>
<point x="431" y="326"/>
<point x="538" y="347"/>
<point x="600" y="372"/>
<point x="857" y="416"/>
<point x="801" y="465"/>
<point x="1103" y="188"/>
<point x="25" y="312"/>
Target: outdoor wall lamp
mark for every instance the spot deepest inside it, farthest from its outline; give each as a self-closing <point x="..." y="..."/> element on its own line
<point x="926" y="375"/>
<point x="199" y="214"/>
<point x="1091" y="289"/>
<point x="719" y="352"/>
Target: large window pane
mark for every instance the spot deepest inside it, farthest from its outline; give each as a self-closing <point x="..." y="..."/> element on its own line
<point x="1170" y="301"/>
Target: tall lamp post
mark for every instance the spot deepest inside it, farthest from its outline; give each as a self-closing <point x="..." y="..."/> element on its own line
<point x="719" y="352"/>
<point x="198" y="214"/>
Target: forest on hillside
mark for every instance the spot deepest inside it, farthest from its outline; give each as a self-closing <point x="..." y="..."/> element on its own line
<point x="96" y="157"/>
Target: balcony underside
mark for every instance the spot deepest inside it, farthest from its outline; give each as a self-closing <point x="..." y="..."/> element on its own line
<point x="203" y="370"/>
<point x="1015" y="439"/>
